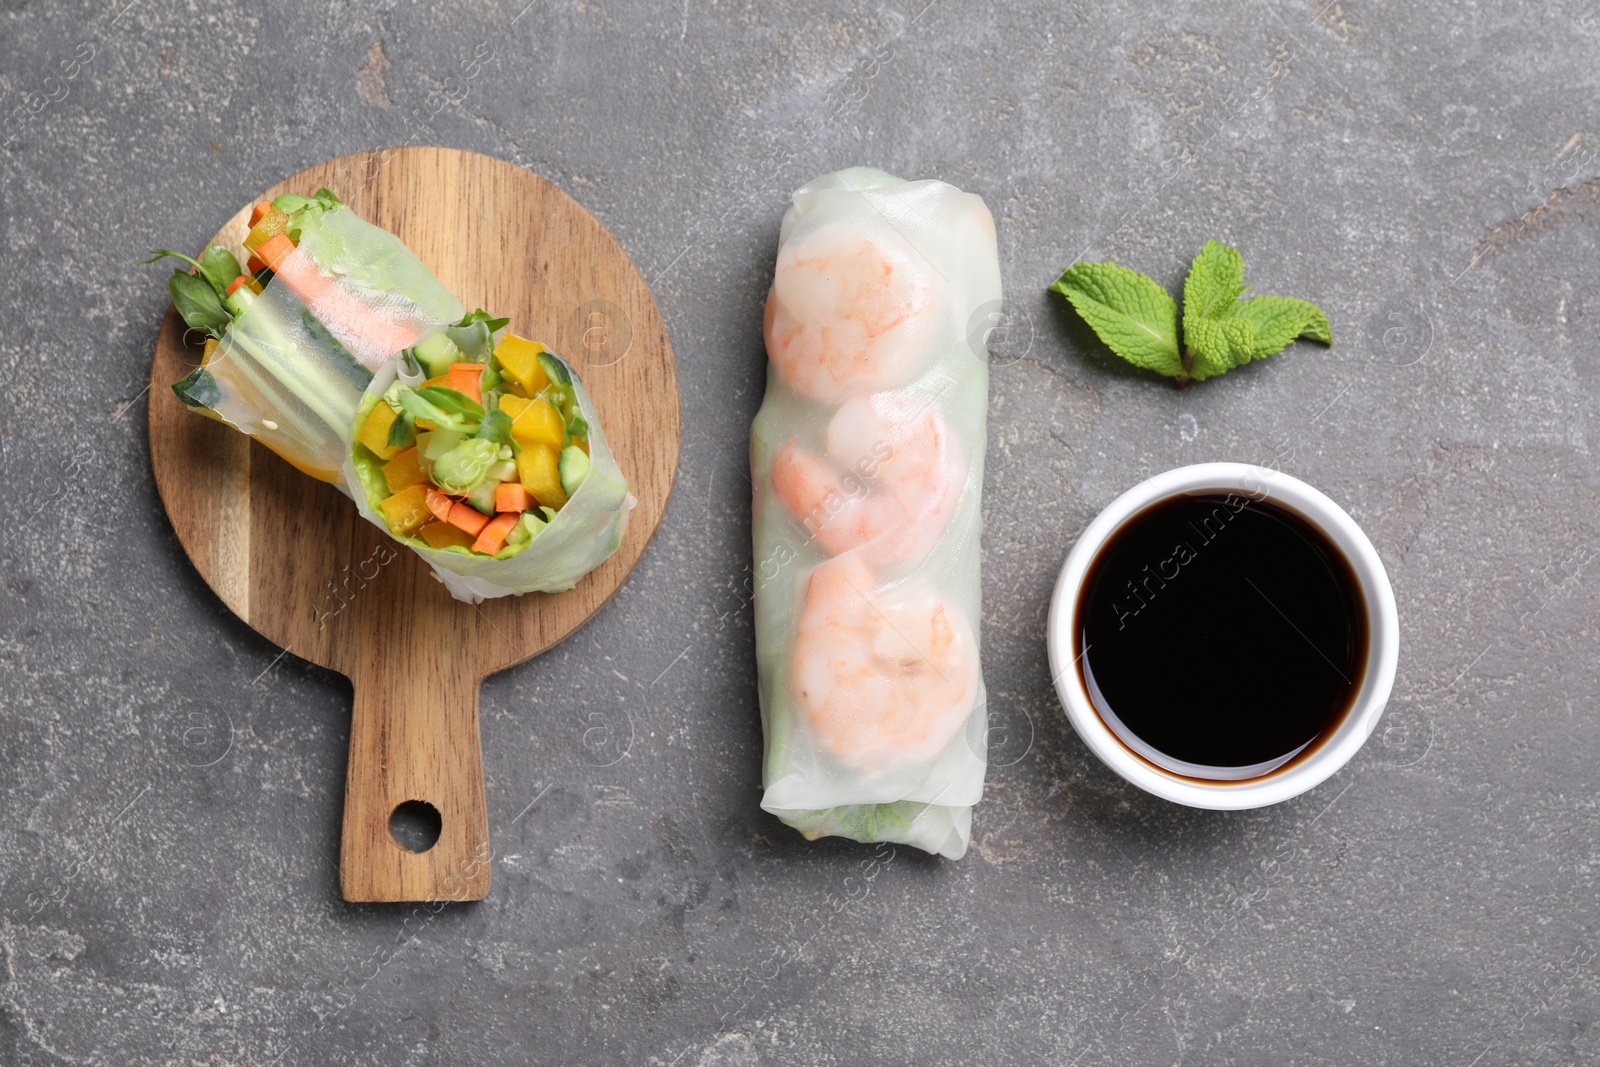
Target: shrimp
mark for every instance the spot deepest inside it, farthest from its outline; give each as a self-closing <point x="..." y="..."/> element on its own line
<point x="890" y="480"/>
<point x="886" y="679"/>
<point x="853" y="308"/>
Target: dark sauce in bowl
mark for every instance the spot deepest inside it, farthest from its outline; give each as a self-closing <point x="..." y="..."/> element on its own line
<point x="1220" y="637"/>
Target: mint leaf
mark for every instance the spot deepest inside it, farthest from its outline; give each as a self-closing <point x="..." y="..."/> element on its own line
<point x="1214" y="284"/>
<point x="1278" y="320"/>
<point x="419" y="405"/>
<point x="483" y="316"/>
<point x="453" y="401"/>
<point x="403" y="430"/>
<point x="1318" y="329"/>
<point x="1128" y="311"/>
<point x="198" y="304"/>
<point x="496" y="427"/>
<point x="1213" y="346"/>
<point x="219" y="267"/>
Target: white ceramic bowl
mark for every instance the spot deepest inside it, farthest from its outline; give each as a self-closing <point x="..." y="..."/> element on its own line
<point x="1383" y="628"/>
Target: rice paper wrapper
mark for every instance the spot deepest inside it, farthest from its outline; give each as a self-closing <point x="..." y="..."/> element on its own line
<point x="291" y="373"/>
<point x="376" y="269"/>
<point x="583" y="534"/>
<point x="867" y="464"/>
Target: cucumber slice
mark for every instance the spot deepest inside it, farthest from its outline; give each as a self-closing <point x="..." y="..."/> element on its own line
<point x="554" y="369"/>
<point x="239" y="301"/>
<point x="482" y="496"/>
<point x="462" y="469"/>
<point x="349" y="366"/>
<point x="436" y="352"/>
<point x="532" y="522"/>
<point x="518" y="535"/>
<point x="199" y="390"/>
<point x="574" y="468"/>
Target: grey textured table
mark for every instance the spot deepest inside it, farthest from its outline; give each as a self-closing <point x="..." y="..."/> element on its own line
<point x="170" y="786"/>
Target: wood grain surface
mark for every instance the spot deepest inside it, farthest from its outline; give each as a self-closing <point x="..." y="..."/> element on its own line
<point x="292" y="558"/>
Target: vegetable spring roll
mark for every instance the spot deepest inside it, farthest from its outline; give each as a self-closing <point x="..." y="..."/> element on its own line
<point x="488" y="460"/>
<point x="292" y="345"/>
<point x="867" y="462"/>
<point x="345" y="355"/>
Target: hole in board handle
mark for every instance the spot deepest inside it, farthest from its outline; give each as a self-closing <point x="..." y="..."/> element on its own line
<point x="415" y="825"/>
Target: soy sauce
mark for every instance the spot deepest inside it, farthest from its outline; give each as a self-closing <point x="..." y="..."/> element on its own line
<point x="1220" y="636"/>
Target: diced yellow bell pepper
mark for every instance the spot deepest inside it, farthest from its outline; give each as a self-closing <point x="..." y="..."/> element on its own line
<point x="539" y="424"/>
<point x="443" y="535"/>
<point x="272" y="223"/>
<point x="404" y="470"/>
<point x="513" y="405"/>
<point x="210" y="350"/>
<point x="519" y="359"/>
<point x="375" y="431"/>
<point x="537" y="467"/>
<point x="407" y="510"/>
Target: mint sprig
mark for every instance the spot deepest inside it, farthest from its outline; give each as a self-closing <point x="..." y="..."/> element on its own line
<point x="1138" y="321"/>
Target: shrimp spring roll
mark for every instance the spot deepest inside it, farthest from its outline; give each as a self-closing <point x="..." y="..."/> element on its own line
<point x="341" y="352"/>
<point x="867" y="462"/>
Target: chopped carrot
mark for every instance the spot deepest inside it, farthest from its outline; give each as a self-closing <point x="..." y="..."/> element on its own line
<point x="233" y="286"/>
<point x="494" y="534"/>
<point x="467" y="378"/>
<point x="512" y="496"/>
<point x="439" y="504"/>
<point x="346" y="317"/>
<point x="443" y="535"/>
<point x="254" y="264"/>
<point x="259" y="210"/>
<point x="274" y="251"/>
<point x="468" y="518"/>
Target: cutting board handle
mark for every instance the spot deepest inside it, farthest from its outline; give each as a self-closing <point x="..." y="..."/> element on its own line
<point x="414" y="737"/>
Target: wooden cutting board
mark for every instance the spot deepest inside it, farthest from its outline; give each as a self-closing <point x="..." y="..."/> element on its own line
<point x="292" y="558"/>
